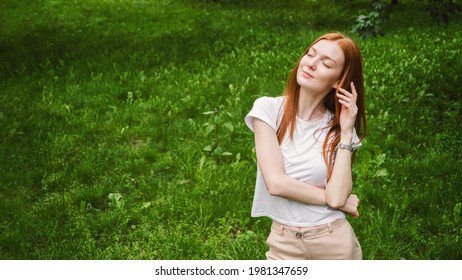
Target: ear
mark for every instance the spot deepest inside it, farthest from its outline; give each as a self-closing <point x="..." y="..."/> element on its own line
<point x="336" y="84"/>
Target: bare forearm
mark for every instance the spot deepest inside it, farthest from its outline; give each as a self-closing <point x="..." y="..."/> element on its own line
<point x="340" y="184"/>
<point x="293" y="189"/>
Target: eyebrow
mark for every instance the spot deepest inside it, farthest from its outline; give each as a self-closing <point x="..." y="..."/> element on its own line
<point x="328" y="57"/>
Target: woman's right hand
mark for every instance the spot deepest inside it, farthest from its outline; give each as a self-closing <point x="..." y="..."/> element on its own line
<point x="351" y="206"/>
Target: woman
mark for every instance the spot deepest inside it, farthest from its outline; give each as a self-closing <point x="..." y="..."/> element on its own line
<point x="304" y="144"/>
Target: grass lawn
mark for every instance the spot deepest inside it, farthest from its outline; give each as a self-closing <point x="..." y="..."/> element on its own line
<point x="123" y="137"/>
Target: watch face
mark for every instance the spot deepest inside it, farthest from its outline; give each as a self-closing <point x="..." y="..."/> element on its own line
<point x="346" y="147"/>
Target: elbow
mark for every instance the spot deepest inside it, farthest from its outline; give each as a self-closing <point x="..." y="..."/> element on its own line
<point x="337" y="196"/>
<point x="335" y="202"/>
<point x="274" y="187"/>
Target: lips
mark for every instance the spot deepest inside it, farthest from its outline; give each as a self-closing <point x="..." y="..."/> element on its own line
<point x="307" y="75"/>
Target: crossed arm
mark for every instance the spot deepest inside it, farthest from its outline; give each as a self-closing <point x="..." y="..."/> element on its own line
<point x="338" y="190"/>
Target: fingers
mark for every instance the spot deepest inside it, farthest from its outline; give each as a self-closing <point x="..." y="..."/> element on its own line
<point x="347" y="96"/>
<point x="353" y="90"/>
<point x="355" y="204"/>
<point x="356" y="214"/>
<point x="348" y="99"/>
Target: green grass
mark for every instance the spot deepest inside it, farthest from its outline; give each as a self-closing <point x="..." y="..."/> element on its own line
<point x="123" y="136"/>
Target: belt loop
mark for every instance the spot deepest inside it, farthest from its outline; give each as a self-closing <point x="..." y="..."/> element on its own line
<point x="329" y="226"/>
<point x="282" y="230"/>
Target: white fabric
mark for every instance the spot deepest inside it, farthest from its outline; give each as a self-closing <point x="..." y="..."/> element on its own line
<point x="303" y="160"/>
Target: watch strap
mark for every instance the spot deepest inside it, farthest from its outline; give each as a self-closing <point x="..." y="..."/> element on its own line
<point x="346" y="146"/>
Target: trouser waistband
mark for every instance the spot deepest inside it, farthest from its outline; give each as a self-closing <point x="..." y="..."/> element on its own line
<point x="304" y="232"/>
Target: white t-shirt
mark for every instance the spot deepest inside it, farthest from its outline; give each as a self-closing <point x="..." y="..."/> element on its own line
<point x="303" y="160"/>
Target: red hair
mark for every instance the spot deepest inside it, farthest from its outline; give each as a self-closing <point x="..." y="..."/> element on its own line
<point x="352" y="72"/>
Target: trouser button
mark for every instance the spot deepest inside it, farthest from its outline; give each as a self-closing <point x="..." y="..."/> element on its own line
<point x="298" y="235"/>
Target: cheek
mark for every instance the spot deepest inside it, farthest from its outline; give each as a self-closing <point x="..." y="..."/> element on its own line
<point x="332" y="77"/>
<point x="299" y="71"/>
<point x="303" y="62"/>
<point x="325" y="75"/>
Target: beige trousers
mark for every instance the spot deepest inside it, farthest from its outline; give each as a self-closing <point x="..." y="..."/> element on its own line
<point x="332" y="241"/>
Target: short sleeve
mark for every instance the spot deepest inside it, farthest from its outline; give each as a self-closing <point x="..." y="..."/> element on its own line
<point x="356" y="141"/>
<point x="265" y="109"/>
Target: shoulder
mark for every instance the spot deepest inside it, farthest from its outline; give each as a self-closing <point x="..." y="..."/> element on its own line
<point x="266" y="109"/>
<point x="269" y="102"/>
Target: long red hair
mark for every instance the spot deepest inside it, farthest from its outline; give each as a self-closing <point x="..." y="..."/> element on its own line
<point x="352" y="72"/>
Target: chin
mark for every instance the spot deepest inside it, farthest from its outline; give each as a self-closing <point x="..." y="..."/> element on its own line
<point x="304" y="83"/>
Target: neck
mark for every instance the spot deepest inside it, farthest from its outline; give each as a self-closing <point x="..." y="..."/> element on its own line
<point x="310" y="106"/>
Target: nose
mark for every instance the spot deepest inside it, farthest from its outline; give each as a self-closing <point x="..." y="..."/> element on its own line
<point x="311" y="64"/>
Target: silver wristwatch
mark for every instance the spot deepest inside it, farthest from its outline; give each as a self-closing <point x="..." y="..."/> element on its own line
<point x="349" y="147"/>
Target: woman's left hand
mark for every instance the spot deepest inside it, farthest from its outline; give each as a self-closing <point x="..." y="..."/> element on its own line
<point x="349" y="109"/>
<point x="351" y="206"/>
